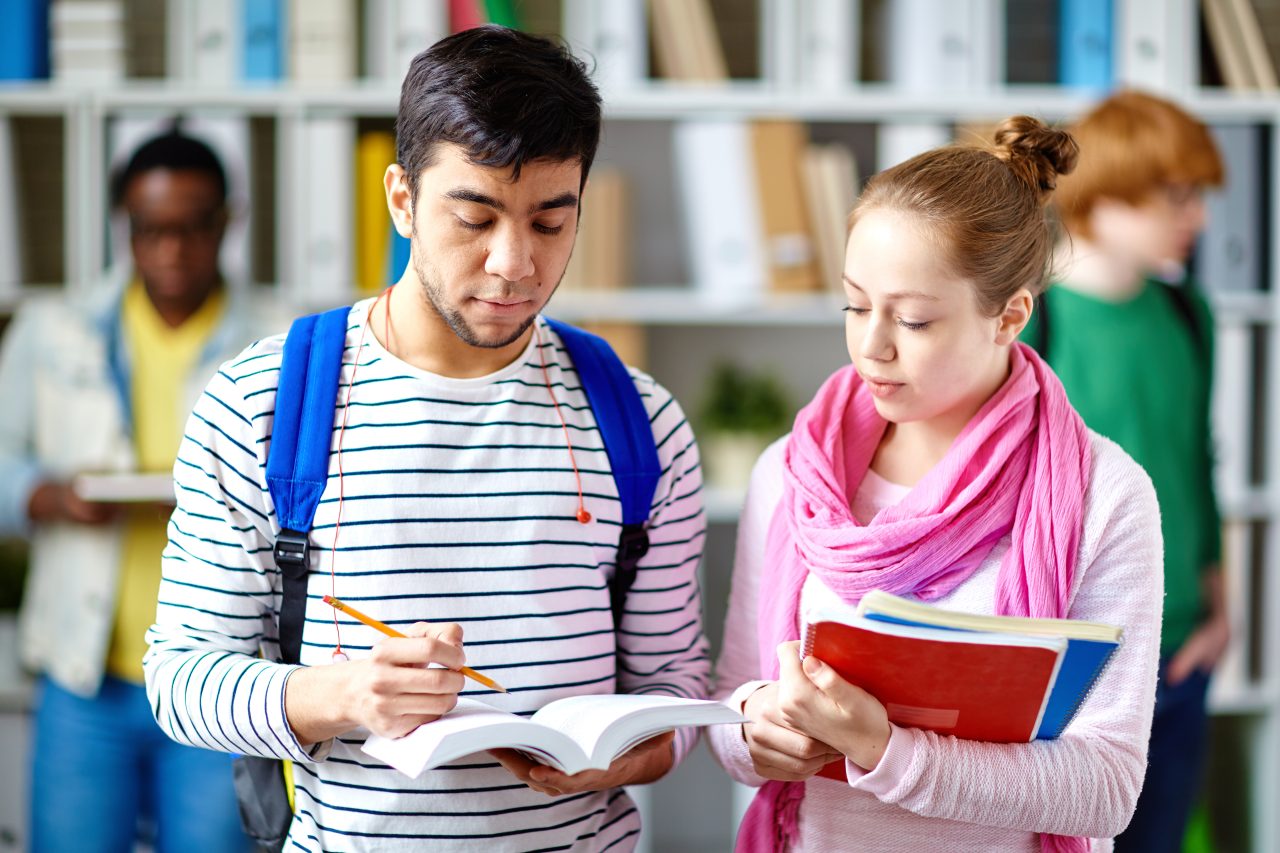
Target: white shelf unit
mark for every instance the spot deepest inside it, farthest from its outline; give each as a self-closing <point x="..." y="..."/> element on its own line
<point x="801" y="333"/>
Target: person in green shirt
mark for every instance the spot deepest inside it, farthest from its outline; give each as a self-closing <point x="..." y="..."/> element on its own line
<point x="1135" y="354"/>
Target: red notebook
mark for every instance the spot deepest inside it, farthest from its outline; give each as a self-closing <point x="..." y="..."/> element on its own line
<point x="977" y="686"/>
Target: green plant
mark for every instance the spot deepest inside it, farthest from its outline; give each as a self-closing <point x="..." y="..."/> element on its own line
<point x="744" y="401"/>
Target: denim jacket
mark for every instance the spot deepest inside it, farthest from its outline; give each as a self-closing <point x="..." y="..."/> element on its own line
<point x="65" y="409"/>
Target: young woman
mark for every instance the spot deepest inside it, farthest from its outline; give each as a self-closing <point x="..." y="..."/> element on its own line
<point x="1119" y="333"/>
<point x="945" y="464"/>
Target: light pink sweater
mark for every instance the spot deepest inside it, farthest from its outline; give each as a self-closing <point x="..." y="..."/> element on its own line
<point x="931" y="792"/>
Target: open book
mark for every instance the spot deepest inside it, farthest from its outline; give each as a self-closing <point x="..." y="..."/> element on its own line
<point x="1089" y="646"/>
<point x="573" y="734"/>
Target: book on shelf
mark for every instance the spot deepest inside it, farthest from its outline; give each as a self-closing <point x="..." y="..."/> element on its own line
<point x="573" y="734"/>
<point x="1236" y="38"/>
<point x="87" y="40"/>
<point x="124" y="488"/>
<point x="466" y="14"/>
<point x="375" y="151"/>
<point x="264" y="39"/>
<point x="831" y="189"/>
<point x="398" y="30"/>
<point x="716" y="183"/>
<point x="790" y="258"/>
<point x="1086" y="647"/>
<point x="1155" y="44"/>
<point x="1230" y="254"/>
<point x="1084" y="44"/>
<point x="686" y="44"/>
<point x="24" y="41"/>
<point x="321" y="41"/>
<point x="327" y="258"/>
<point x="601" y="252"/>
<point x="611" y="36"/>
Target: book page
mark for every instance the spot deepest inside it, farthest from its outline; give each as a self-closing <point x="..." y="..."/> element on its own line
<point x="605" y="726"/>
<point x="469" y="728"/>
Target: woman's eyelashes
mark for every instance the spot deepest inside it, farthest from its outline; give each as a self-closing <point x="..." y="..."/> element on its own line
<point x="904" y="323"/>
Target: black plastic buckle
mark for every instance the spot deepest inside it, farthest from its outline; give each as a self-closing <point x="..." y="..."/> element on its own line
<point x="292" y="553"/>
<point x="633" y="543"/>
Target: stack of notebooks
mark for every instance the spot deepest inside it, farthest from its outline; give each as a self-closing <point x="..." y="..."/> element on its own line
<point x="1001" y="679"/>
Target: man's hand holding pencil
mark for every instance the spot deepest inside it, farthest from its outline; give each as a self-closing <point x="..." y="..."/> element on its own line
<point x="391" y="691"/>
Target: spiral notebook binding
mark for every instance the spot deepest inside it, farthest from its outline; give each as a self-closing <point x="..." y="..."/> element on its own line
<point x="1084" y="695"/>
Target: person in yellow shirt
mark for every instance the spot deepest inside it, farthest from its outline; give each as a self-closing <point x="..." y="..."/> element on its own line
<point x="105" y="387"/>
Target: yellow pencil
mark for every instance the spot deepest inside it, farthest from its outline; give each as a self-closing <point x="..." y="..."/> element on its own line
<point x="392" y="632"/>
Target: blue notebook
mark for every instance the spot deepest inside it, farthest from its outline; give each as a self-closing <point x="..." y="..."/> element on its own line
<point x="1090" y="646"/>
<point x="1086" y="44"/>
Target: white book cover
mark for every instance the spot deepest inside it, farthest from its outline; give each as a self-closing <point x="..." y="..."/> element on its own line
<point x="124" y="488"/>
<point x="327" y="275"/>
<point x="179" y="26"/>
<point x="1156" y="44"/>
<point x="716" y="173"/>
<point x="398" y="30"/>
<point x="215" y="42"/>
<point x="829" y="44"/>
<point x="957" y="45"/>
<point x="573" y="734"/>
<point x="322" y="40"/>
<point x="1229" y="256"/>
<point x="612" y="38"/>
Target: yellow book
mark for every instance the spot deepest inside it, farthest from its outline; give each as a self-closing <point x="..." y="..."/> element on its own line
<point x="375" y="151"/>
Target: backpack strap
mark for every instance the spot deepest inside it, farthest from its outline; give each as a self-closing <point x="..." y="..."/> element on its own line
<point x="628" y="440"/>
<point x="298" y="458"/>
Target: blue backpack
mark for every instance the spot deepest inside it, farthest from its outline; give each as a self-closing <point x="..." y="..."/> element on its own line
<point x="298" y="469"/>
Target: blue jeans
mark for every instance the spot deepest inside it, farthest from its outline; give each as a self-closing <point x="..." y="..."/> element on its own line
<point x="1175" y="764"/>
<point x="101" y="767"/>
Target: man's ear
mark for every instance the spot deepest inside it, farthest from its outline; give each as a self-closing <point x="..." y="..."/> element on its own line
<point x="399" y="199"/>
<point x="1014" y="318"/>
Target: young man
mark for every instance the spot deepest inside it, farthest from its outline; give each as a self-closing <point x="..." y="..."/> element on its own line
<point x="106" y="387"/>
<point x="469" y="503"/>
<point x="1135" y="355"/>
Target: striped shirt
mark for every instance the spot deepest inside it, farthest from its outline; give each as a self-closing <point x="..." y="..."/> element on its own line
<point x="459" y="504"/>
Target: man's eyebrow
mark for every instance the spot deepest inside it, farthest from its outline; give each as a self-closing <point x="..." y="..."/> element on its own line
<point x="899" y="294"/>
<point x="566" y="199"/>
<point x="463" y="194"/>
<point x="563" y="200"/>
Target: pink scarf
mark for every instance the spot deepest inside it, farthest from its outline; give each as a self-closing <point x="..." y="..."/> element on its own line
<point x="1020" y="467"/>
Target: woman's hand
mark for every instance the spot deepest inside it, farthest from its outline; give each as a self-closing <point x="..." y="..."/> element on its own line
<point x="778" y="751"/>
<point x="814" y="700"/>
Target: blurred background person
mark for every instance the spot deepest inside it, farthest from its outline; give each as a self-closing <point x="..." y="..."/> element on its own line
<point x="1132" y="340"/>
<point x="104" y="385"/>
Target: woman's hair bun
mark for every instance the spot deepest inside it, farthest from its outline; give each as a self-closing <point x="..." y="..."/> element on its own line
<point x="1036" y="152"/>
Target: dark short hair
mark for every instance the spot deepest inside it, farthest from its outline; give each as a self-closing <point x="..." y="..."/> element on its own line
<point x="171" y="150"/>
<point x="503" y="96"/>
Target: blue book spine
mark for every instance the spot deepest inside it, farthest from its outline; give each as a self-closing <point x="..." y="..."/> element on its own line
<point x="1081" y="665"/>
<point x="1087" y="44"/>
<point x="263" y="38"/>
<point x="398" y="258"/>
<point x="24" y="40"/>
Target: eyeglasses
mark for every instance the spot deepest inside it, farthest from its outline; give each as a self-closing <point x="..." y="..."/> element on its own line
<point x="1182" y="194"/>
<point x="203" y="227"/>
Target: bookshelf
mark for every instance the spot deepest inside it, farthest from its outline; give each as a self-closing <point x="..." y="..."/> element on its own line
<point x="827" y="64"/>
